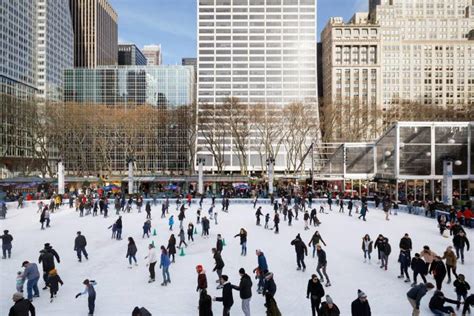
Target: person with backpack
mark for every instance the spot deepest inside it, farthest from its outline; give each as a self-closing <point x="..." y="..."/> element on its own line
<point x="245" y="291"/>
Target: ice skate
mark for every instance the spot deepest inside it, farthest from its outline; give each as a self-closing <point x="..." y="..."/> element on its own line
<point x="328" y="284"/>
<point x="151" y="280"/>
<point x="407" y="280"/>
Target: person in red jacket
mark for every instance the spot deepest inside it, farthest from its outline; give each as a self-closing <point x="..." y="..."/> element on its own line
<point x="202" y="279"/>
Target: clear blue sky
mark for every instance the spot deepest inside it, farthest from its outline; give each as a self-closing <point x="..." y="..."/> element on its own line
<point x="172" y="23"/>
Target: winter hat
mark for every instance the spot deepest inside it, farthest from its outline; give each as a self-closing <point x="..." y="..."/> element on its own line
<point x="329" y="299"/>
<point x="361" y="294"/>
<point x="199" y="268"/>
<point x="5" y="231"/>
<point x="242" y="271"/>
<point x="17" y="296"/>
<point x="47" y="245"/>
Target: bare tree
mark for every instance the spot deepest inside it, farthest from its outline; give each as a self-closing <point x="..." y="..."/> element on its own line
<point x="212" y="128"/>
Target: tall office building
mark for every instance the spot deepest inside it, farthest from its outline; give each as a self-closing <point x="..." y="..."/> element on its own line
<point x="262" y="52"/>
<point x="153" y="54"/>
<point x="130" y="55"/>
<point x="351" y="78"/>
<point x="418" y="52"/>
<point x="55" y="47"/>
<point x="95" y="33"/>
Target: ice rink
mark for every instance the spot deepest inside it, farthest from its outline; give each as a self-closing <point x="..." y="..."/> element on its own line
<point x="119" y="288"/>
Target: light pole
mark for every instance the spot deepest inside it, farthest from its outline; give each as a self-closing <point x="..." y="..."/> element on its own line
<point x="200" y="176"/>
<point x="60" y="177"/>
<point x="270" y="164"/>
<point x="130" y="175"/>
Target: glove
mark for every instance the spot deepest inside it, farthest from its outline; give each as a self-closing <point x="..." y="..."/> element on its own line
<point x="307" y="296"/>
<point x="77" y="295"/>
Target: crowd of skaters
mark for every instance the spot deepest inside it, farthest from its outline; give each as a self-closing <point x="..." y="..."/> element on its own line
<point x="266" y="283"/>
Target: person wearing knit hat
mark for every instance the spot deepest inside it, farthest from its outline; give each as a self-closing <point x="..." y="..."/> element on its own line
<point x="360" y="306"/>
<point x="328" y="308"/>
<point x="54" y="280"/>
<point x="21" y="306"/>
<point x="202" y="279"/>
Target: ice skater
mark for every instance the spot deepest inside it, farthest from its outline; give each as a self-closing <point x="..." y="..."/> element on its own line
<point x="90" y="291"/>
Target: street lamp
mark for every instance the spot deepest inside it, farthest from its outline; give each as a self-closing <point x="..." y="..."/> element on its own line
<point x="270" y="164"/>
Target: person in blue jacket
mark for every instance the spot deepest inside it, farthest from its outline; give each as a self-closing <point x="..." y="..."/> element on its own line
<point x="261" y="269"/>
<point x="171" y="222"/>
<point x="164" y="266"/>
<point x="32" y="276"/>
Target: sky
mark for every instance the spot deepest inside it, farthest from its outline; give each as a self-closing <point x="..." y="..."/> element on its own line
<point x="172" y="23"/>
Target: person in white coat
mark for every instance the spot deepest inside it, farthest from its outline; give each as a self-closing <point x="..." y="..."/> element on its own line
<point x="151" y="262"/>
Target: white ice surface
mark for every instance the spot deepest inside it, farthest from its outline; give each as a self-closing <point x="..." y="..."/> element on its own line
<point x="119" y="288"/>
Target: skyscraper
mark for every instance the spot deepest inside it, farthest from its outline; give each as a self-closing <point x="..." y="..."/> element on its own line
<point x="55" y="47"/>
<point x="95" y="33"/>
<point x="153" y="54"/>
<point x="262" y="52"/>
<point x="130" y="55"/>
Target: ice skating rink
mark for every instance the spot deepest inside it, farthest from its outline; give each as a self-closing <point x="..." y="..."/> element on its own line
<point x="119" y="289"/>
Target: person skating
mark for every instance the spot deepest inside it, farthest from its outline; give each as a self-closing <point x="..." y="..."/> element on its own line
<point x="172" y="247"/>
<point x="267" y="219"/>
<point x="313" y="217"/>
<point x="202" y="279"/>
<point x="415" y="294"/>
<point x="306" y="220"/>
<point x="438" y="270"/>
<point x="468" y="302"/>
<point x="182" y="238"/>
<point x="460" y="241"/>
<point x="341" y="206"/>
<point x="461" y="288"/>
<point x="131" y="252"/>
<point x="350" y="204"/>
<point x="428" y="255"/>
<point x="163" y="210"/>
<point x="258" y="213"/>
<point x="146" y="228"/>
<point x="245" y="291"/>
<point x="148" y="210"/>
<point x="269" y="285"/>
<point x="137" y="311"/>
<point x="328" y="308"/>
<point x="205" y="304"/>
<point x="21" y="307"/>
<point x="54" y="280"/>
<point x="451" y="261"/>
<point x="171" y="222"/>
<point x="276" y="222"/>
<point x="47" y="256"/>
<point x="80" y="244"/>
<point x="181" y="216"/>
<point x="118" y="227"/>
<point x="227" y="298"/>
<point x="151" y="263"/>
<point x="367" y="247"/>
<point x="290" y="217"/>
<point x="419" y="268"/>
<point x="20" y="281"/>
<point x="190" y="232"/>
<point x="205" y="227"/>
<point x="301" y="252"/>
<point x="164" y="266"/>
<point x="91" y="294"/>
<point x="32" y="275"/>
<point x="385" y="250"/>
<point x="363" y="211"/>
<point x="243" y="241"/>
<point x="6" y="244"/>
<point x="261" y="269"/>
<point x="315" y="292"/>
<point x="219" y="265"/>
<point x="404" y="260"/>
<point x="255" y="199"/>
<point x="386" y="207"/>
<point x="406" y="244"/>
<point x="315" y="240"/>
<point x="322" y="264"/>
<point x="437" y="306"/>
<point x="360" y="306"/>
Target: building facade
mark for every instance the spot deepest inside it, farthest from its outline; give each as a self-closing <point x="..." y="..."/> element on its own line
<point x="351" y="78"/>
<point x="55" y="47"/>
<point x="261" y="52"/>
<point x="95" y="33"/>
<point x="130" y="55"/>
<point x="153" y="54"/>
<point x="141" y="113"/>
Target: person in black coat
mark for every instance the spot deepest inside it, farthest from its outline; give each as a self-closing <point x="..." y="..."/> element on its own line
<point x="245" y="289"/>
<point x="171" y="247"/>
<point x="419" y="268"/>
<point x="269" y="286"/>
<point x="54" y="280"/>
<point x="219" y="243"/>
<point x="118" y="225"/>
<point x="46" y="258"/>
<point x="438" y="269"/>
<point x="437" y="304"/>
<point x="360" y="306"/>
<point x="148" y="210"/>
<point x="227" y="299"/>
<point x="80" y="244"/>
<point x="258" y="214"/>
<point x="314" y="292"/>
<point x="205" y="304"/>
<point x="459" y="242"/>
<point x="301" y="252"/>
<point x="6" y="244"/>
<point x="22" y="307"/>
<point x="219" y="264"/>
<point x="469" y="301"/>
<point x="406" y="244"/>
